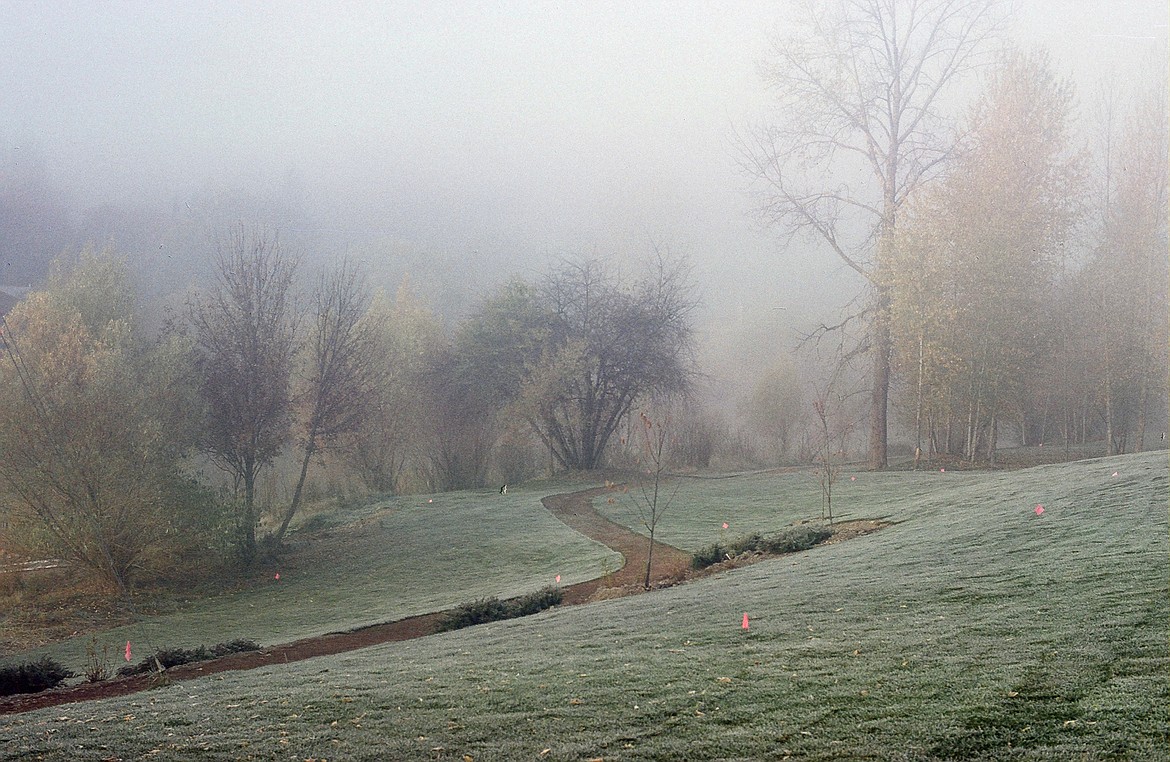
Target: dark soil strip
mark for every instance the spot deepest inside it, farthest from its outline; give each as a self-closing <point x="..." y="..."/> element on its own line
<point x="575" y="509"/>
<point x="670" y="567"/>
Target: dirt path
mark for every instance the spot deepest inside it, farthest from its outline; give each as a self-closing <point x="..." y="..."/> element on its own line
<point x="575" y="509"/>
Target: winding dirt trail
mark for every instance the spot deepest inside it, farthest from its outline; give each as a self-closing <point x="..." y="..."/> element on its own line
<point x="574" y="509"/>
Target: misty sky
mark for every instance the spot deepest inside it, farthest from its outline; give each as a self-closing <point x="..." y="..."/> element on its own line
<point x="515" y="130"/>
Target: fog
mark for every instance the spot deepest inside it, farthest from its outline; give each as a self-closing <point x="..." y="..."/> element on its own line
<point x="490" y="136"/>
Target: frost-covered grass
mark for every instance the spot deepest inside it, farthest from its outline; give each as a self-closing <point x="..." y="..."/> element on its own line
<point x="387" y="561"/>
<point x="972" y="629"/>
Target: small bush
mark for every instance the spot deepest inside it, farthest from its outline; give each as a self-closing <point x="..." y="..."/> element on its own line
<point x="97" y="664"/>
<point x="798" y="538"/>
<point x="32" y="677"/>
<point x="534" y="603"/>
<point x="174" y="657"/>
<point x="708" y="556"/>
<point x="752" y="543"/>
<point x="486" y="610"/>
<point x="791" y="540"/>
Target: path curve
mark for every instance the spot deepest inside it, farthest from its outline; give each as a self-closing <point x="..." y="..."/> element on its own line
<point x="574" y="509"/>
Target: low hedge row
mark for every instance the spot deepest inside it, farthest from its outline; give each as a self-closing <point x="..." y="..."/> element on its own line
<point x="173" y="657"/>
<point x="792" y="539"/>
<point x="486" y="610"/>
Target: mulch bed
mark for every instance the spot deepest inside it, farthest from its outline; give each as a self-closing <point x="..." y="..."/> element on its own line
<point x="671" y="566"/>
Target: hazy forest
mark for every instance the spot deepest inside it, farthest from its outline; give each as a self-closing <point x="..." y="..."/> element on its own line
<point x="183" y="373"/>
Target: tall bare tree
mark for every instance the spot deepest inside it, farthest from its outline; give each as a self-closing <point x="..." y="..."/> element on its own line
<point x="246" y="331"/>
<point x="338" y="390"/>
<point x="860" y="88"/>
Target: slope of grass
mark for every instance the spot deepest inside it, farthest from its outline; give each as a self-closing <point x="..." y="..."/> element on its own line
<point x="396" y="558"/>
<point x="973" y="629"/>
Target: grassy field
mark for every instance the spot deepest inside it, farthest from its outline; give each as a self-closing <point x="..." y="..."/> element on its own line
<point x="973" y="628"/>
<point x="386" y="561"/>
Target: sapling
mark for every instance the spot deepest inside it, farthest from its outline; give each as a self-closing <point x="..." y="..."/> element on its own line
<point x="650" y="501"/>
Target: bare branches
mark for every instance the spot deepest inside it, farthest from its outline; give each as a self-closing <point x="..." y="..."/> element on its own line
<point x="858" y="92"/>
<point x="862" y="80"/>
<point x="246" y="329"/>
<point x="339" y="388"/>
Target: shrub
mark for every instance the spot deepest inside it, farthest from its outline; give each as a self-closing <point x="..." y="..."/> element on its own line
<point x="750" y="544"/>
<point x="484" y="610"/>
<point x="32" y="677"/>
<point x="173" y="657"/>
<point x="708" y="556"/>
<point x="534" y="603"/>
<point x="475" y="612"/>
<point x="801" y="537"/>
<point x="791" y="540"/>
<point x="97" y="665"/>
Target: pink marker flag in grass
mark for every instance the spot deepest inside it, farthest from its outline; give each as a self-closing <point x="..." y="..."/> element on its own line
<point x="127" y="650"/>
<point x="725" y="525"/>
<point x="1039" y="510"/>
<point x="745" y="620"/>
<point x="277" y="577"/>
<point x="1115" y="473"/>
<point x="558" y="579"/>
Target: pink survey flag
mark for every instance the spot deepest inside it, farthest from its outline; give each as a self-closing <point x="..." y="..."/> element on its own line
<point x="725" y="525"/>
<point x="1039" y="510"/>
<point x="942" y="470"/>
<point x="127" y="650"/>
<point x="1115" y="473"/>
<point x="852" y="478"/>
<point x="558" y="579"/>
<point x="277" y="577"/>
<point x="745" y="620"/>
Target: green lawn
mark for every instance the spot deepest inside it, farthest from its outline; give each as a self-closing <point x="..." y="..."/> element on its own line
<point x="395" y="558"/>
<point x="973" y="628"/>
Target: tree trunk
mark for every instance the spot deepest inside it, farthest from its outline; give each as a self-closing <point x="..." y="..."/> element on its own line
<point x="918" y="409"/>
<point x="879" y="399"/>
<point x="969" y="447"/>
<point x="649" y="560"/>
<point x="1108" y="407"/>
<point x="248" y="528"/>
<point x="310" y="449"/>
<point x="993" y="440"/>
<point x="1143" y="398"/>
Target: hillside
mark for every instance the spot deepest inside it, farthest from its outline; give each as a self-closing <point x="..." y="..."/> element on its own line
<point x="973" y="627"/>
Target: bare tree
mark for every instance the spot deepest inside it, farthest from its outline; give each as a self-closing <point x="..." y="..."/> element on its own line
<point x="607" y="348"/>
<point x="246" y="330"/>
<point x="338" y="390"/>
<point x="826" y="468"/>
<point x="860" y="87"/>
<point x="649" y="499"/>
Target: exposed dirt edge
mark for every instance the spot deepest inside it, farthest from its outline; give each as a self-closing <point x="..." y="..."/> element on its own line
<point x="670" y="566"/>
